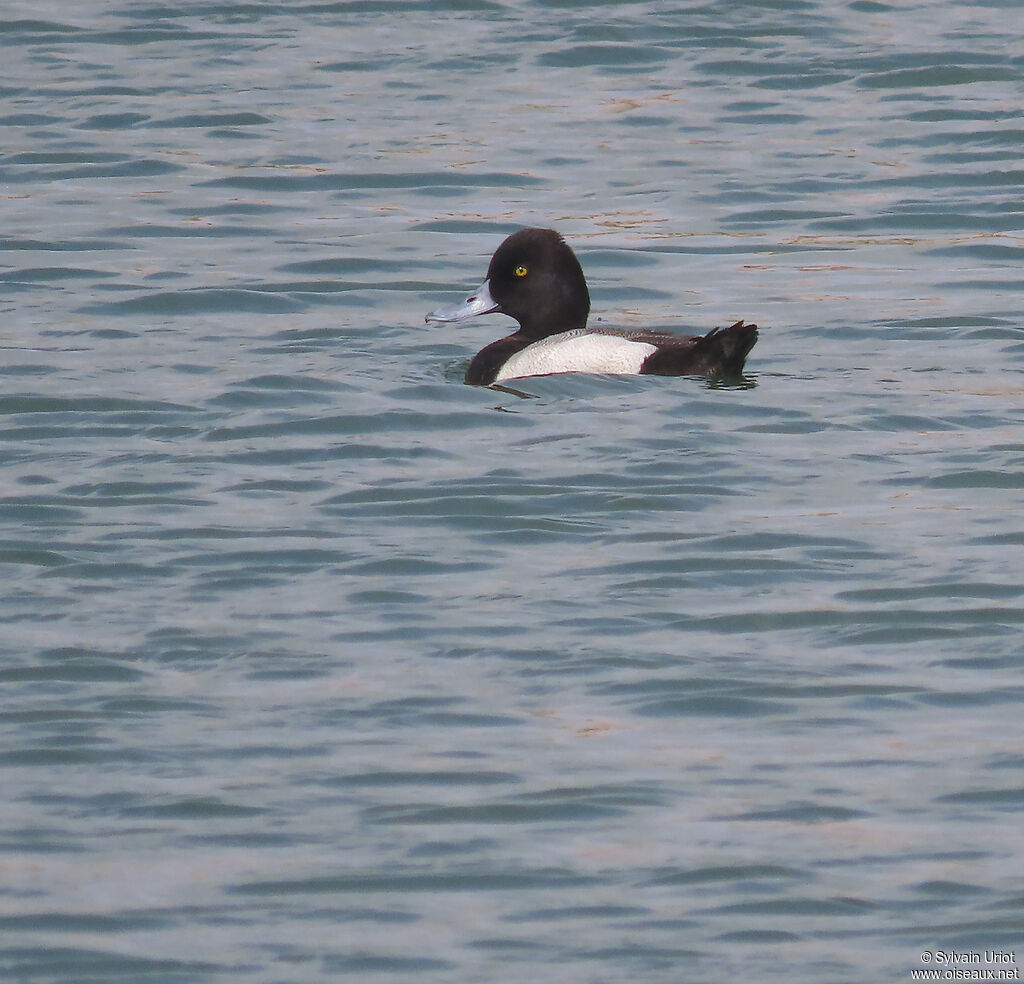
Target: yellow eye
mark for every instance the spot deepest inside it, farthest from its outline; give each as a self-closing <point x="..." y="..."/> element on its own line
<point x="521" y="271"/>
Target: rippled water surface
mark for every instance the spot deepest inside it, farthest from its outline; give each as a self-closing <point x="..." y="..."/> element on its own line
<point x="318" y="664"/>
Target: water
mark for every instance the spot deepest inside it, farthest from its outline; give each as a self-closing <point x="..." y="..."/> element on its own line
<point x="319" y="665"/>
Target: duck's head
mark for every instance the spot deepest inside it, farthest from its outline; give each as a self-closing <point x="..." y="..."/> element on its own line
<point x="533" y="277"/>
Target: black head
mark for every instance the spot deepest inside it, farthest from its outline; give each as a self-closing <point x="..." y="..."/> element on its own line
<point x="535" y="278"/>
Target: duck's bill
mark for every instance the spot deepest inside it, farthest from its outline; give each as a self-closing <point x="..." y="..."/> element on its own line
<point x="479" y="302"/>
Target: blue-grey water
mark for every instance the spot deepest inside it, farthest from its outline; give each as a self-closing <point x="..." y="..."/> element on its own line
<point x="317" y="664"/>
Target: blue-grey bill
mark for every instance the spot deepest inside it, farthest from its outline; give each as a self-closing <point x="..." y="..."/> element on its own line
<point x="479" y="302"/>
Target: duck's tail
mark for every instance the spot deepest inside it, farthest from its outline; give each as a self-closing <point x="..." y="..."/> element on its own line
<point x="724" y="350"/>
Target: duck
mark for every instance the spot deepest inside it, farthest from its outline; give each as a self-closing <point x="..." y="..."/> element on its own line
<point x="535" y="278"/>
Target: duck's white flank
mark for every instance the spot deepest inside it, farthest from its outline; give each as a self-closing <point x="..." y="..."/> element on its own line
<point x="577" y="351"/>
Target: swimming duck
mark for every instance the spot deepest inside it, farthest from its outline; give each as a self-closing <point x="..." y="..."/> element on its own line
<point x="534" y="277"/>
